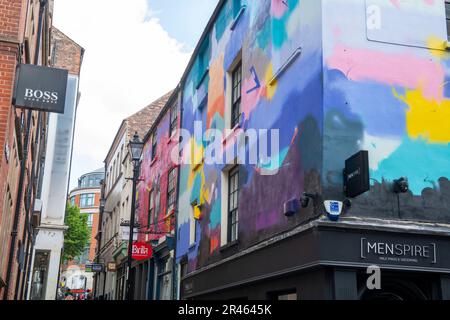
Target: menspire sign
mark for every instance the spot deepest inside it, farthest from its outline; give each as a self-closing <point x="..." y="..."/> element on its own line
<point x="40" y="88"/>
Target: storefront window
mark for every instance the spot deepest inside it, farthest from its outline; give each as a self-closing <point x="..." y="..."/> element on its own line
<point x="40" y="272"/>
<point x="165" y="280"/>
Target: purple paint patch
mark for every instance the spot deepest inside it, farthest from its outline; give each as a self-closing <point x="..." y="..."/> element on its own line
<point x="266" y="220"/>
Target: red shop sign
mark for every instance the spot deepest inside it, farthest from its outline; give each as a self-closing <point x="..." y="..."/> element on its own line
<point x="141" y="251"/>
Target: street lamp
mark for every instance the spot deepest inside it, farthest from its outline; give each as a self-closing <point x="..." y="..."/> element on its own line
<point x="135" y="147"/>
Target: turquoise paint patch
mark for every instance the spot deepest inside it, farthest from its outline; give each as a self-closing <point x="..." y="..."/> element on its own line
<point x="275" y="165"/>
<point x="263" y="36"/>
<point x="215" y="217"/>
<point x="279" y="31"/>
<point x="196" y="189"/>
<point x="422" y="163"/>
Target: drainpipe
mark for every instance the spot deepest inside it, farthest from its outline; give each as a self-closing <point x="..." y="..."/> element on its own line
<point x="174" y="264"/>
<point x="99" y="234"/>
<point x="27" y="233"/>
<point x="43" y="4"/>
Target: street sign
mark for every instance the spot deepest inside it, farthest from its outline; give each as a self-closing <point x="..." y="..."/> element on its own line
<point x="141" y="251"/>
<point x="95" y="268"/>
<point x="125" y="231"/>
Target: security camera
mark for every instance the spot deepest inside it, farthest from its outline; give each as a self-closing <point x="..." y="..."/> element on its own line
<point x="304" y="201"/>
<point x="401" y="185"/>
<point x="306" y="197"/>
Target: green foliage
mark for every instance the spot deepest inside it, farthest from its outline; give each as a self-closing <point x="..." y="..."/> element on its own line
<point x="77" y="236"/>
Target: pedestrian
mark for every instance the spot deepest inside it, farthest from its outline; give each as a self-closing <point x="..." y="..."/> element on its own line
<point x="68" y="296"/>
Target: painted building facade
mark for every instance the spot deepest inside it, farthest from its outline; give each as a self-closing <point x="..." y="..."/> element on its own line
<point x="326" y="79"/>
<point x="157" y="204"/>
<point x="117" y="194"/>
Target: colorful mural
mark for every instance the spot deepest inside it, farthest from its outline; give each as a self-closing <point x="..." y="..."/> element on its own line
<point x="386" y="91"/>
<point x="274" y="96"/>
<point x="155" y="215"/>
<point x="333" y="81"/>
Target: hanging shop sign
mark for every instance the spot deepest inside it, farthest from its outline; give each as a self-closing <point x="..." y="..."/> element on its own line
<point x="125" y="231"/>
<point x="96" y="267"/>
<point x="40" y="88"/>
<point x="356" y="174"/>
<point x="112" y="267"/>
<point x="141" y="251"/>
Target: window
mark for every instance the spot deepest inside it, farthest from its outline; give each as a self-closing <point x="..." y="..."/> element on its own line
<point x="72" y="201"/>
<point x="151" y="207"/>
<point x="90" y="220"/>
<point x="171" y="189"/>
<point x="87" y="200"/>
<point x="173" y="119"/>
<point x="154" y="144"/>
<point x="184" y="268"/>
<point x="233" y="201"/>
<point x="203" y="61"/>
<point x="165" y="280"/>
<point x="157" y="208"/>
<point x="236" y="95"/>
<point x="447" y="15"/>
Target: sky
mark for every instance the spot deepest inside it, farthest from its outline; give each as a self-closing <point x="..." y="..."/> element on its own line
<point x="136" y="51"/>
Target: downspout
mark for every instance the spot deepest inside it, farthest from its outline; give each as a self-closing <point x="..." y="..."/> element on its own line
<point x="14" y="232"/>
<point x="99" y="236"/>
<point x="27" y="232"/>
<point x="174" y="265"/>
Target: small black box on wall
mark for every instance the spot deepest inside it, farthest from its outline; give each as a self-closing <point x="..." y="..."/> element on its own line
<point x="356" y="174"/>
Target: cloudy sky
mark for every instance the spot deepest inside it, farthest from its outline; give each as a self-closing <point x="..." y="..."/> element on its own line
<point x="136" y="51"/>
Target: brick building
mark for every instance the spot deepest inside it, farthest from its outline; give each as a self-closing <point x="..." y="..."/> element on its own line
<point x="25" y="38"/>
<point x="25" y="28"/>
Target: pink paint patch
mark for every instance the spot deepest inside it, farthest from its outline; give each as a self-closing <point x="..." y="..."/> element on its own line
<point x="249" y="100"/>
<point x="396" y="3"/>
<point x="278" y="8"/>
<point x="393" y="69"/>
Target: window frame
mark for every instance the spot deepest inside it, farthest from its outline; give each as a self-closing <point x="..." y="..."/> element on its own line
<point x="447" y="17"/>
<point x="86" y="197"/>
<point x="173" y="114"/>
<point x="151" y="207"/>
<point x="154" y="144"/>
<point x="236" y="95"/>
<point x="171" y="188"/>
<point x="233" y="212"/>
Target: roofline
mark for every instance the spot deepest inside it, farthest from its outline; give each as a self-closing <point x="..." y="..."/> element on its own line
<point x="115" y="139"/>
<point x="202" y="38"/>
<point x="162" y="113"/>
<point x="69" y="38"/>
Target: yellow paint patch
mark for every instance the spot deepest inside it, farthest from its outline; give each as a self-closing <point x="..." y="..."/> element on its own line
<point x="426" y="119"/>
<point x="271" y="88"/>
<point x="438" y="47"/>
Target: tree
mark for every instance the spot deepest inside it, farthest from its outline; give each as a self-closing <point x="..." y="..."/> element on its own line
<point x="77" y="236"/>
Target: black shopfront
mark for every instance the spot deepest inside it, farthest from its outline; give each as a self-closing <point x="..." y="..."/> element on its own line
<point x="325" y="260"/>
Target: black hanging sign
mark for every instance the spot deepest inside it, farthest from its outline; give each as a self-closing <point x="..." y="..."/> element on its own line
<point x="356" y="174"/>
<point x="40" y="88"/>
